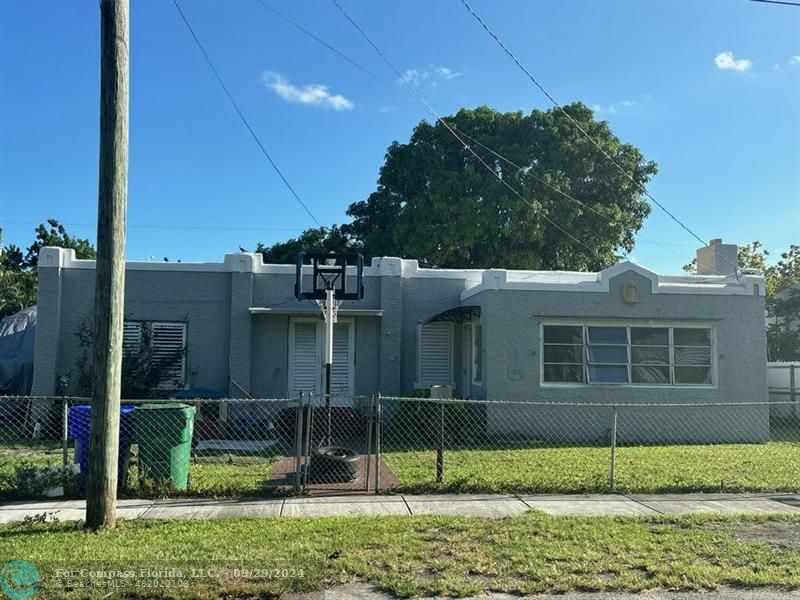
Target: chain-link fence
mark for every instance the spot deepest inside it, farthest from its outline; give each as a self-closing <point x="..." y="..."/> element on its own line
<point x="208" y="447"/>
<point x="316" y="444"/>
<point x="539" y="447"/>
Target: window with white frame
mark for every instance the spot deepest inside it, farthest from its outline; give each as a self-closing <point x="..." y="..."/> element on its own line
<point x="477" y="353"/>
<point x="612" y="354"/>
<point x="435" y="354"/>
<point x="162" y="344"/>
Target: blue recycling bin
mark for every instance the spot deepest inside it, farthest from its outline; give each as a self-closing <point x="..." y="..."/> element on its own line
<point x="79" y="418"/>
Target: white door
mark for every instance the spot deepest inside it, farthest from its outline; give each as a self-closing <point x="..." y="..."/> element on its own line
<point x="304" y="358"/>
<point x="306" y="354"/>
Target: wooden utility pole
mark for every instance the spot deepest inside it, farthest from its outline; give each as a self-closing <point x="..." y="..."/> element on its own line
<point x="101" y="486"/>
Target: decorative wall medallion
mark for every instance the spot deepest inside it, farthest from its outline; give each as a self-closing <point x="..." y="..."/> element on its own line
<point x="630" y="292"/>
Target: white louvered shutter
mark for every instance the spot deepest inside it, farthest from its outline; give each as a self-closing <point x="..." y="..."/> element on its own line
<point x="131" y="337"/>
<point x="169" y="349"/>
<point x="341" y="367"/>
<point x="436" y="354"/>
<point x="305" y="362"/>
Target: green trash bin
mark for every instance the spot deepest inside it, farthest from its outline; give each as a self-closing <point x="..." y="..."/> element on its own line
<point x="164" y="435"/>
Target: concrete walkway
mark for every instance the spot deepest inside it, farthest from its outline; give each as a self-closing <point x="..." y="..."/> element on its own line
<point x="468" y="505"/>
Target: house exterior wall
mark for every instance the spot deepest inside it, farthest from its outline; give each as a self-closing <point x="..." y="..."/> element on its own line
<point x="239" y="315"/>
<point x="512" y="322"/>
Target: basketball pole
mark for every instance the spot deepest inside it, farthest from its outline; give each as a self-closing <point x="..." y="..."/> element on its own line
<point x="329" y="318"/>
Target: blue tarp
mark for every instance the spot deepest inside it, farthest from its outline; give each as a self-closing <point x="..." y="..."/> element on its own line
<point x="17" y="334"/>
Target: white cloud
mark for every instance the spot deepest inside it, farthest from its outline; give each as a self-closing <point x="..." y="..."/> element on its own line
<point x="614" y="107"/>
<point x="433" y="76"/>
<point x="411" y="76"/>
<point x="725" y="60"/>
<point x="794" y="60"/>
<point x="313" y="94"/>
<point x="447" y="73"/>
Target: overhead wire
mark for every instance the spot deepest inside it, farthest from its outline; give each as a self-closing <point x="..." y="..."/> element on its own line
<point x="583" y="131"/>
<point x="562" y="192"/>
<point x="451" y="131"/>
<point x="322" y="42"/>
<point x="243" y="118"/>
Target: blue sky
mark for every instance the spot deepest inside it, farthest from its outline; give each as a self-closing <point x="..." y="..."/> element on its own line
<point x="709" y="90"/>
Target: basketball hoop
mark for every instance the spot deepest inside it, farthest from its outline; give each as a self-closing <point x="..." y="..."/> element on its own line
<point x="329" y="272"/>
<point x="328" y="287"/>
<point x="324" y="309"/>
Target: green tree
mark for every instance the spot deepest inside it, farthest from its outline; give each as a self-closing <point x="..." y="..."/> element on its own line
<point x="56" y="235"/>
<point x="783" y="307"/>
<point x="322" y="239"/>
<point x="18" y="274"/>
<point x="437" y="203"/>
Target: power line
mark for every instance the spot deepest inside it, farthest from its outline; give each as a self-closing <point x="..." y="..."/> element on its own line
<point x="447" y="126"/>
<point x="242" y="117"/>
<point x="795" y="4"/>
<point x="568" y="196"/>
<point x="608" y="157"/>
<point x="319" y="40"/>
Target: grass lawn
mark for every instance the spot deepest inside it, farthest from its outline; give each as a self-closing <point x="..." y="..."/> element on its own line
<point x="244" y="477"/>
<point x="770" y="467"/>
<point x="415" y="555"/>
<point x="216" y="476"/>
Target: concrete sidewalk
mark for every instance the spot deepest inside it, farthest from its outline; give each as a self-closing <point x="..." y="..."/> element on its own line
<point x="468" y="505"/>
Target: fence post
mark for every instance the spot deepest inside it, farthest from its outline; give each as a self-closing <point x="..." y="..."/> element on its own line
<point x="612" y="476"/>
<point x="65" y="431"/>
<point x="370" y="420"/>
<point x="793" y="389"/>
<point x="298" y="443"/>
<point x="440" y="446"/>
<point x="309" y="427"/>
<point x="378" y="443"/>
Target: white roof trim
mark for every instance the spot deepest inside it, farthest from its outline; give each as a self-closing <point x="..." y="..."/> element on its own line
<point x="344" y="312"/>
<point x="475" y="280"/>
<point x="248" y="262"/>
<point x="570" y="281"/>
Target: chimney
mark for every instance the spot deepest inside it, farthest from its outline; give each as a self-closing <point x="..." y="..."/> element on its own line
<point x="717" y="259"/>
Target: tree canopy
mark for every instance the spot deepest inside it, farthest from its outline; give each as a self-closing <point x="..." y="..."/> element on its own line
<point x="18" y="276"/>
<point x="321" y="239"/>
<point x="439" y="204"/>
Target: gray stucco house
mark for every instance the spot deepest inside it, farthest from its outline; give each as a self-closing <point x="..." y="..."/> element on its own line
<point x="623" y="335"/>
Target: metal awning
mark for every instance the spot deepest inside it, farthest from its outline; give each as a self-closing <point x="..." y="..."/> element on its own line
<point x="313" y="311"/>
<point x="459" y="314"/>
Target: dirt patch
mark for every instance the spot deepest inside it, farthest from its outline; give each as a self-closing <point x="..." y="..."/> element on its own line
<point x="783" y="534"/>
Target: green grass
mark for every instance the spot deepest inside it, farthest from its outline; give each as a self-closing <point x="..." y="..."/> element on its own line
<point x="211" y="476"/>
<point x="244" y="477"/>
<point x="770" y="467"/>
<point x="409" y="556"/>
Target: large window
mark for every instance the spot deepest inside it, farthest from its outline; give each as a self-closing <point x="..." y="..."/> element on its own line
<point x="626" y="354"/>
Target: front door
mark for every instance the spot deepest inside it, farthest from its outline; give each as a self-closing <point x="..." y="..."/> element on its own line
<point x="306" y="354"/>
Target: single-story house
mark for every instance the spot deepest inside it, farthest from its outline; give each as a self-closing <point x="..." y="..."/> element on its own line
<point x="623" y="335"/>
